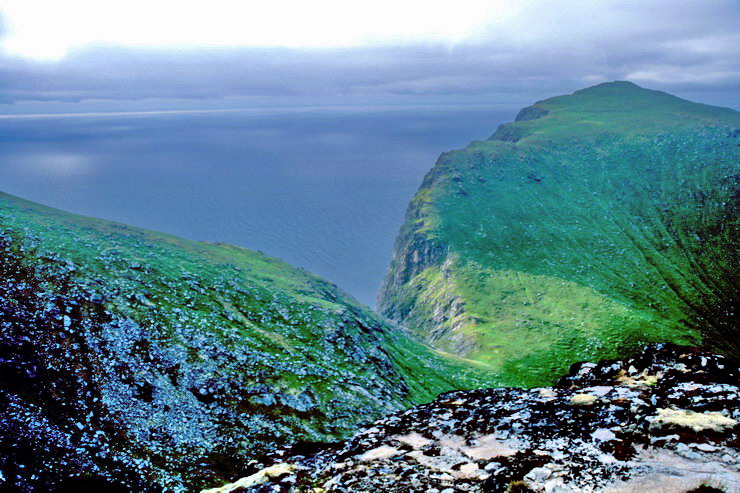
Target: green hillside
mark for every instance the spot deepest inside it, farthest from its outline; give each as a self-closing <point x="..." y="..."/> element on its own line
<point x="151" y="362"/>
<point x="595" y="223"/>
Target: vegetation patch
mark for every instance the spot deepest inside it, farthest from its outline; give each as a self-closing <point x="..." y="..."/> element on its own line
<point x="596" y="223"/>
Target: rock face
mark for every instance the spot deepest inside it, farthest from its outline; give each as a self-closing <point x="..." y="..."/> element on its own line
<point x="135" y="361"/>
<point x="666" y="421"/>
<point x="595" y="224"/>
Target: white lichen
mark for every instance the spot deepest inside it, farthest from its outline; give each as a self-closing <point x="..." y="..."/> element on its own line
<point x="255" y="479"/>
<point x="683" y="418"/>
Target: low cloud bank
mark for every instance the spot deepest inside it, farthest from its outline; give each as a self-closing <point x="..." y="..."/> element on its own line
<point x="679" y="46"/>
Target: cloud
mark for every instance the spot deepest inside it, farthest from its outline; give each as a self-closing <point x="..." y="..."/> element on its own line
<point x="674" y="45"/>
<point x="232" y="23"/>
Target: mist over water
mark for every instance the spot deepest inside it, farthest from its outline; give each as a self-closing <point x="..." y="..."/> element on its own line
<point x="325" y="189"/>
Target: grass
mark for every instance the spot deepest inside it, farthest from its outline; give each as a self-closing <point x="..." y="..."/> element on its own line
<point x="607" y="223"/>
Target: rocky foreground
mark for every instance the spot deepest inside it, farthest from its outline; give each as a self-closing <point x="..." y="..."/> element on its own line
<point x="666" y="421"/>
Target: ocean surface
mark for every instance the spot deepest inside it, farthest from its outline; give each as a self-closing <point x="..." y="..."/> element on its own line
<point x="323" y="188"/>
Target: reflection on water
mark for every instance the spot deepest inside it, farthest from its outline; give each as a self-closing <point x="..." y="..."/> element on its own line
<point x="324" y="189"/>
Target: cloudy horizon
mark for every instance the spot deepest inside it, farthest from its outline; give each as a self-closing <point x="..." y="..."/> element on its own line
<point x="511" y="52"/>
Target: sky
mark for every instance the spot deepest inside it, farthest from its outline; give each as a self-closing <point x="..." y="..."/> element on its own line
<point x="97" y="55"/>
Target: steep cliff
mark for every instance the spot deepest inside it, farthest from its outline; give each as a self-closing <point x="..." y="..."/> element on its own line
<point x="592" y="225"/>
<point x="136" y="361"/>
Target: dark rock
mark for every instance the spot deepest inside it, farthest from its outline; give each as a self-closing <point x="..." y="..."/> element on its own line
<point x="502" y="440"/>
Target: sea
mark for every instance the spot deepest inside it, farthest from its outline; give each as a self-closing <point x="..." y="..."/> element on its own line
<point x="324" y="188"/>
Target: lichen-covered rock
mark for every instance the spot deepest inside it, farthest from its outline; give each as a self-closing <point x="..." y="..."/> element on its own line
<point x="583" y="400"/>
<point x="683" y="418"/>
<point x="672" y="434"/>
<point x="256" y="479"/>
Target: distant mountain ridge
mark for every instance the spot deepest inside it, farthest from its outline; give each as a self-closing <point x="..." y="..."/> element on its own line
<point x="595" y="223"/>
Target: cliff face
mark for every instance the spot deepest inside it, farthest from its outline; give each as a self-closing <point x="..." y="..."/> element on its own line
<point x="664" y="421"/>
<point x="138" y="361"/>
<point x="594" y="224"/>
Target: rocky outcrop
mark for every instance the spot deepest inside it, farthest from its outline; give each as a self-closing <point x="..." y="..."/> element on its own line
<point x="531" y="113"/>
<point x="666" y="421"/>
<point x="414" y="251"/>
<point x="415" y="254"/>
<point x="435" y="309"/>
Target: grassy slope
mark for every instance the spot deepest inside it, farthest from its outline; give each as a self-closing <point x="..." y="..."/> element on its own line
<point x="212" y="275"/>
<point x="251" y="330"/>
<point x="605" y="222"/>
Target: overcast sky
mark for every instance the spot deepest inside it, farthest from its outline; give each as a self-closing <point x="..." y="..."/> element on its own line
<point x="137" y="54"/>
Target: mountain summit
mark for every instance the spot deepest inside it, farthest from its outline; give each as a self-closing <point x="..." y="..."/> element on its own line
<point x="594" y="224"/>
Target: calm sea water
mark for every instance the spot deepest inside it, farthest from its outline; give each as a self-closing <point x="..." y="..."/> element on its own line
<point x="322" y="188"/>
